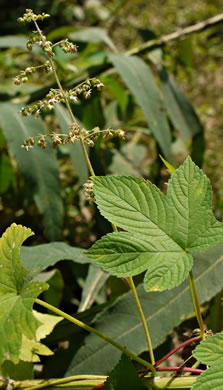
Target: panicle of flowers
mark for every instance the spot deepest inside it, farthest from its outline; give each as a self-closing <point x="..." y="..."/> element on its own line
<point x="29" y="16"/>
<point x="67" y="46"/>
<point x="89" y="190"/>
<point x="22" y="77"/>
<point x="75" y="133"/>
<point x="55" y="96"/>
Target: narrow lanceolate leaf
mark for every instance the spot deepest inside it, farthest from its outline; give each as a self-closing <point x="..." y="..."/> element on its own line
<point x="163" y="312"/>
<point x="75" y="151"/>
<point x="139" y="79"/>
<point x="180" y="110"/>
<point x="162" y="229"/>
<point x="96" y="278"/>
<point x="16" y="295"/>
<point x="212" y="379"/>
<point x="210" y="350"/>
<point x="39" y="167"/>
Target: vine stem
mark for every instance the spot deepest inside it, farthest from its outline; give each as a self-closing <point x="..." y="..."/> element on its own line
<point x="131" y="282"/>
<point x="196" y="304"/>
<point x="148" y="338"/>
<point x="96" y="332"/>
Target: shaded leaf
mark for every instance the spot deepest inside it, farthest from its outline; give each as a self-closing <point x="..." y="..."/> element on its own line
<point x="124" y="376"/>
<point x="39" y="167"/>
<point x="16" y="295"/>
<point x="180" y="110"/>
<point x="13" y="41"/>
<point x="139" y="79"/>
<point x="162" y="230"/>
<point x="75" y="150"/>
<point x="21" y="370"/>
<point x="39" y="257"/>
<point x="95" y="280"/>
<point x="93" y="34"/>
<point x="163" y="312"/>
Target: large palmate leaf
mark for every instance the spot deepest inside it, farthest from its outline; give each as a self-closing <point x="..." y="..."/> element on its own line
<point x="163" y="312"/>
<point x="139" y="79"/>
<point x="162" y="229"/>
<point x="39" y="167"/>
<point x="16" y="295"/>
<point x="210" y="352"/>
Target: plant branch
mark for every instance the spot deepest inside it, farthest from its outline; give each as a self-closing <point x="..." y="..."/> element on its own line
<point x="97" y="333"/>
<point x="196" y="304"/>
<point x="181" y="369"/>
<point x="181" y="33"/>
<point x="138" y="304"/>
<point x="197" y="338"/>
<point x="131" y="282"/>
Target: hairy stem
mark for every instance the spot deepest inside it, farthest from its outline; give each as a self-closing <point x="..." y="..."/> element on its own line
<point x="96" y="332"/>
<point x="195" y="300"/>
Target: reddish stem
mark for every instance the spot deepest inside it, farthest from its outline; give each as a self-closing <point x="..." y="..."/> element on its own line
<point x="182" y="369"/>
<point x="98" y="386"/>
<point x="197" y="338"/>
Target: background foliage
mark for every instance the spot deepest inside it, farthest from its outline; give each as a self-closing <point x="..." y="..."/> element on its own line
<point x="168" y="100"/>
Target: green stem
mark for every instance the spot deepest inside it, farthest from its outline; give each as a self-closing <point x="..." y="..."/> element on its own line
<point x="62" y="381"/>
<point x="195" y="300"/>
<point x="97" y="333"/>
<point x="148" y="338"/>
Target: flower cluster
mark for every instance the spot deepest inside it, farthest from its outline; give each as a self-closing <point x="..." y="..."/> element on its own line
<point x="75" y="133"/>
<point x="67" y="46"/>
<point x="22" y="77"/>
<point x="29" y="16"/>
<point x="89" y="190"/>
<point x="55" y="96"/>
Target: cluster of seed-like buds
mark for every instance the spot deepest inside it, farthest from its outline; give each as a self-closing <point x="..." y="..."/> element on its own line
<point x="22" y="77"/>
<point x="68" y="47"/>
<point x="85" y="89"/>
<point x="89" y="189"/>
<point x="29" y="16"/>
<point x="75" y="133"/>
<point x="55" y="96"/>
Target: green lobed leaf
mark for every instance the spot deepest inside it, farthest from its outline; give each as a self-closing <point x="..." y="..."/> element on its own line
<point x="124" y="376"/>
<point x="16" y="295"/>
<point x="139" y="79"/>
<point x="163" y="312"/>
<point x="212" y="379"/>
<point x="75" y="150"/>
<point x="162" y="229"/>
<point x="210" y="350"/>
<point x="39" y="257"/>
<point x="39" y="167"/>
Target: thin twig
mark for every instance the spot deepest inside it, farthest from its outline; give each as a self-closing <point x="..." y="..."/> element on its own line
<point x="181" y="33"/>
